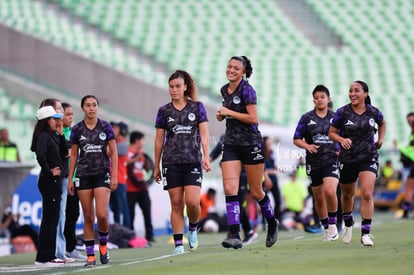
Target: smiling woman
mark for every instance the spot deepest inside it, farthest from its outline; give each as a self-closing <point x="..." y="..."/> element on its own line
<point x="354" y="128"/>
<point x="243" y="146"/>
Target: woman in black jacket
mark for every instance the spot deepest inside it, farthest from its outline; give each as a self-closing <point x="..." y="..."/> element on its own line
<point x="51" y="152"/>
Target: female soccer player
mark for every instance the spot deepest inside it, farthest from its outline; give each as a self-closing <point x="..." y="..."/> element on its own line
<point x="95" y="158"/>
<point x="311" y="134"/>
<point x="353" y="127"/>
<point x="182" y="132"/>
<point x="243" y="145"/>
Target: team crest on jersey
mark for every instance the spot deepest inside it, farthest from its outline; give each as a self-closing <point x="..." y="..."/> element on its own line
<point x="371" y="122"/>
<point x="236" y="100"/>
<point x="102" y="136"/>
<point x="191" y="116"/>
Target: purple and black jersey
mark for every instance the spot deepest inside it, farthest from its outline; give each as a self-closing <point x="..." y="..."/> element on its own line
<point x="93" y="158"/>
<point x="182" y="137"/>
<point x="237" y="132"/>
<point x="314" y="129"/>
<point x="360" y="129"/>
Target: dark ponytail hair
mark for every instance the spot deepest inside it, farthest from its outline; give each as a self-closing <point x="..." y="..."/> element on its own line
<point x="191" y="92"/>
<point x="248" y="69"/>
<point x="41" y="126"/>
<point x="365" y="89"/>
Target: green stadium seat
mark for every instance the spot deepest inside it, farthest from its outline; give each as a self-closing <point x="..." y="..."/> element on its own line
<point x="286" y="63"/>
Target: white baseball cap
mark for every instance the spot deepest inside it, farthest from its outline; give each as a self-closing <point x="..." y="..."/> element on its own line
<point x="47" y="112"/>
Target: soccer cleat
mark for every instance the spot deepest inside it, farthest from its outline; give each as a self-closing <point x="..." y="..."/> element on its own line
<point x="250" y="237"/>
<point x="366" y="240"/>
<point x="52" y="263"/>
<point x="178" y="250"/>
<point x="90" y="261"/>
<point x="272" y="234"/>
<point x="333" y="232"/>
<point x="103" y="253"/>
<point x="232" y="242"/>
<point x="314" y="229"/>
<point x="347" y="235"/>
<point x="192" y="240"/>
<point x="75" y="254"/>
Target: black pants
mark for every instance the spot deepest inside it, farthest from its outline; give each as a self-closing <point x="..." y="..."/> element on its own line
<point x="51" y="191"/>
<point x="144" y="202"/>
<point x="72" y="215"/>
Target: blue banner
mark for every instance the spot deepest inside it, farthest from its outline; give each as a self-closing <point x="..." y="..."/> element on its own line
<point x="27" y="201"/>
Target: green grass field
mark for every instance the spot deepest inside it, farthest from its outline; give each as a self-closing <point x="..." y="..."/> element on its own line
<point x="295" y="253"/>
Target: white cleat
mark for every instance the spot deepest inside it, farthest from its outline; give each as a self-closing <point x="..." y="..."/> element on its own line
<point x="178" y="250"/>
<point x="333" y="232"/>
<point x="366" y="240"/>
<point x="347" y="235"/>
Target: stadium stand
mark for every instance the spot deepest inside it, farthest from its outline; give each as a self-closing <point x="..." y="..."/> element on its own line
<point x="17" y="116"/>
<point x="377" y="46"/>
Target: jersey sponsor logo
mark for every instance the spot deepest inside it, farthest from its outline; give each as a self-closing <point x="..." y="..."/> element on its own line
<point x="92" y="148"/>
<point x="82" y="137"/>
<point x="321" y="139"/>
<point x="181" y="129"/>
<point x="102" y="136"/>
<point x="349" y="122"/>
<point x="236" y="100"/>
<point x="170" y="119"/>
<point x="191" y="116"/>
<point x="311" y="122"/>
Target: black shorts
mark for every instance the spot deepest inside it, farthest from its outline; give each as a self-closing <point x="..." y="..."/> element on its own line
<point x="350" y="172"/>
<point x="317" y="175"/>
<point x="94" y="181"/>
<point x="179" y="175"/>
<point x="251" y="154"/>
